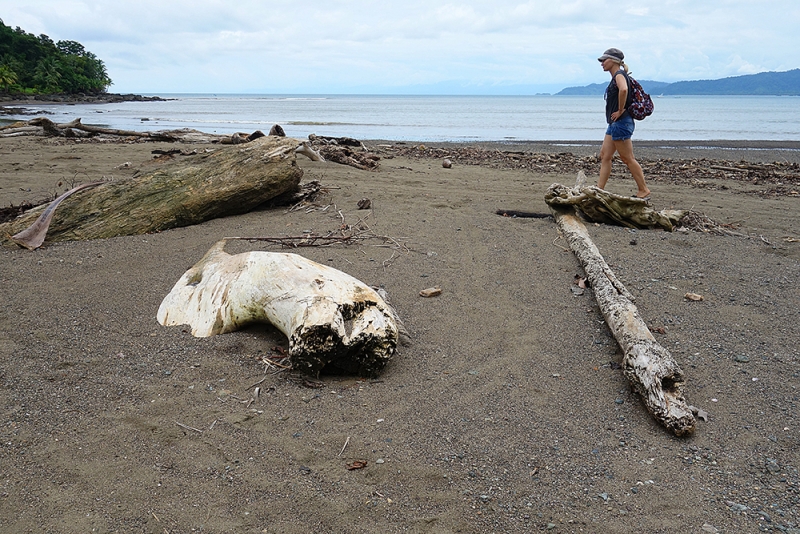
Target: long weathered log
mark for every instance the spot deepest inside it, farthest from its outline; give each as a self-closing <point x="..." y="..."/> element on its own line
<point x="330" y="318"/>
<point x="228" y="181"/>
<point x="60" y="130"/>
<point x="649" y="366"/>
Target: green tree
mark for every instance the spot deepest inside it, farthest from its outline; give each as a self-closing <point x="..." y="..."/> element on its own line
<point x="47" y="75"/>
<point x="39" y="65"/>
<point x="7" y="77"/>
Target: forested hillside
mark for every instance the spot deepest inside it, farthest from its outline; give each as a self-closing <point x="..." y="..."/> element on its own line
<point x="36" y="65"/>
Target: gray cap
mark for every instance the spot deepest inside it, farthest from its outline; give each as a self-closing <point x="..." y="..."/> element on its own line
<point x="612" y="53"/>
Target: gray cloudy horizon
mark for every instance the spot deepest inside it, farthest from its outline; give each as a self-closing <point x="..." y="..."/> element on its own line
<point x="412" y="47"/>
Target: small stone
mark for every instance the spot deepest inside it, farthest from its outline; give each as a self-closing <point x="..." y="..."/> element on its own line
<point x="431" y="292"/>
<point x="735" y="506"/>
<point x="379" y="461"/>
<point x="741" y="358"/>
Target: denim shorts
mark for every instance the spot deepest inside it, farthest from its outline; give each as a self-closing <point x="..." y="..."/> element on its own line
<point x="622" y="129"/>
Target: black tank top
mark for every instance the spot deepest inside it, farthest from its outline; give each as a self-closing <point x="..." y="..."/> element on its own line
<point x="612" y="96"/>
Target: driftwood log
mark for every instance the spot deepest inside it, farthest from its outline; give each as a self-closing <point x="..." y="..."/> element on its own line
<point x="332" y="320"/>
<point x="603" y="207"/>
<point x="76" y="129"/>
<point x="68" y="130"/>
<point x="227" y="181"/>
<point x="649" y="367"/>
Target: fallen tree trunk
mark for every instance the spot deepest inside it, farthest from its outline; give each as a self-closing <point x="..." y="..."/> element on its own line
<point x="331" y="319"/>
<point x="228" y="181"/>
<point x="60" y="130"/>
<point x="655" y="375"/>
<point x="75" y="128"/>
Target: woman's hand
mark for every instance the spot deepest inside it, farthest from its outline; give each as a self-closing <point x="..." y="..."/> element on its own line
<point x="616" y="115"/>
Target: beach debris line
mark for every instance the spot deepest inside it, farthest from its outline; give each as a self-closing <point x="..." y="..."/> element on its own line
<point x="779" y="178"/>
<point x="332" y="320"/>
<point x="649" y="367"/>
<point x="227" y="181"/>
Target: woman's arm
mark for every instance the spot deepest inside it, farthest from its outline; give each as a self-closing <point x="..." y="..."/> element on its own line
<point x="622" y="86"/>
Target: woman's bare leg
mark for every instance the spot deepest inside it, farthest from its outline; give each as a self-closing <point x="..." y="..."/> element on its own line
<point x="625" y="150"/>
<point x="606" y="157"/>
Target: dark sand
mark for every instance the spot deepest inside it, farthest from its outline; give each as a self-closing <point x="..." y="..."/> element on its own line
<point x="508" y="413"/>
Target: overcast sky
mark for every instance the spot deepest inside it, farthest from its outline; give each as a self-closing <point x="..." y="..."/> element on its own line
<point x="412" y="46"/>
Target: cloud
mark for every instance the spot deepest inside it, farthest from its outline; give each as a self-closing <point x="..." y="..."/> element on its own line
<point x="348" y="45"/>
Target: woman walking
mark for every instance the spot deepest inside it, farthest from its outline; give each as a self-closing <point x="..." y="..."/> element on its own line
<point x="620" y="123"/>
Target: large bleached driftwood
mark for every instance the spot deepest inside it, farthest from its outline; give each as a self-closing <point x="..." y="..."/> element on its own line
<point x="650" y="367"/>
<point x="331" y="319"/>
<point x="226" y="181"/>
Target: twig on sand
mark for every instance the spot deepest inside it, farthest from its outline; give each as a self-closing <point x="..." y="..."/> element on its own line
<point x="559" y="246"/>
<point x="345" y="445"/>
<point x="345" y="234"/>
<point x="188" y="427"/>
<point x="257" y="383"/>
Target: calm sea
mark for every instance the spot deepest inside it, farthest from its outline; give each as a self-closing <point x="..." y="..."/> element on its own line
<point x="447" y="118"/>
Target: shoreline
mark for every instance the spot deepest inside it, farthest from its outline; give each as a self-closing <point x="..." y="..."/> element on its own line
<point x="80" y="98"/>
<point x="15" y="104"/>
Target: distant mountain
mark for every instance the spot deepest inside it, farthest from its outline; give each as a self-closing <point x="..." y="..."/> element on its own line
<point x="600" y="88"/>
<point x="764" y="83"/>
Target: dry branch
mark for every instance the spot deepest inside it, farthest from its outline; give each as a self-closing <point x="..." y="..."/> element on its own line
<point x="33" y="236"/>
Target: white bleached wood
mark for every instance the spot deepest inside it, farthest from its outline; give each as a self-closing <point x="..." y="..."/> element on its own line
<point x="329" y="317"/>
<point x="650" y="367"/>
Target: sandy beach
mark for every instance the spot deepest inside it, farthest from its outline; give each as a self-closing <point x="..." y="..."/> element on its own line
<point x="508" y="412"/>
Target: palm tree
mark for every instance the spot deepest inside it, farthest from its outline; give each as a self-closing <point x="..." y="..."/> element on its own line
<point x="7" y="77"/>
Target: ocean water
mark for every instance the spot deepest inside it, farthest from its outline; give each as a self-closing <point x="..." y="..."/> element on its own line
<point x="446" y="118"/>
